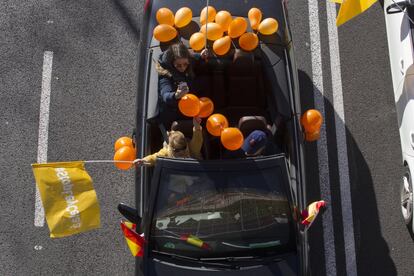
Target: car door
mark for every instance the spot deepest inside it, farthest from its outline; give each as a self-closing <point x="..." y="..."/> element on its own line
<point x="400" y="44"/>
<point x="405" y="108"/>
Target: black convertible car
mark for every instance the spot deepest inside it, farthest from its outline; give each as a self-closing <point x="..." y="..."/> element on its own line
<point x="223" y="216"/>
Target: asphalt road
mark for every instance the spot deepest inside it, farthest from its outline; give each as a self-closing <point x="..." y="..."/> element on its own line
<point x="383" y="245"/>
<point x="93" y="88"/>
<point x="94" y="82"/>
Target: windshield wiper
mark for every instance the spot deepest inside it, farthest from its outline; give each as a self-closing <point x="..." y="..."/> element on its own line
<point x="200" y="261"/>
<point x="246" y="259"/>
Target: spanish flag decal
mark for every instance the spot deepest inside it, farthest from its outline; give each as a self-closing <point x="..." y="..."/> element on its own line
<point x="312" y="212"/>
<point x="193" y="240"/>
<point x="134" y="240"/>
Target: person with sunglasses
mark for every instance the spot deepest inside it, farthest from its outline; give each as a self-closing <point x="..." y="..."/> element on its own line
<point x="175" y="77"/>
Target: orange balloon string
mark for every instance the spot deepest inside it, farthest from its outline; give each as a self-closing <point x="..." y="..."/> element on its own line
<point x="233" y="43"/>
<point x="205" y="47"/>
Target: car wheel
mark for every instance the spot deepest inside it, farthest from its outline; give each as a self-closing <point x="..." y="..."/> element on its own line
<point x="407" y="198"/>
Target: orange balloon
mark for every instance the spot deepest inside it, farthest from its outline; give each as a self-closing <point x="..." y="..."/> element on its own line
<point x="164" y="32"/>
<point x="165" y="16"/>
<point x="312" y="136"/>
<point x="206" y="107"/>
<point x="125" y="153"/>
<point x="232" y="138"/>
<point x="214" y="31"/>
<point x="183" y="17"/>
<point x="248" y="41"/>
<point x="211" y="15"/>
<point x="216" y="123"/>
<point x="223" y="18"/>
<point x="268" y="26"/>
<point x="222" y="45"/>
<point x="123" y="141"/>
<point x="237" y="27"/>
<point x="197" y="41"/>
<point x="311" y="120"/>
<point x="189" y="105"/>
<point x="255" y="16"/>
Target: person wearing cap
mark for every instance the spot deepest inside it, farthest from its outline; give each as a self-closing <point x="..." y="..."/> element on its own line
<point x="255" y="144"/>
<point x="177" y="146"/>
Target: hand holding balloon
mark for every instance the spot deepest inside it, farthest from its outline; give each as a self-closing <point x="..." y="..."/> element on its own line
<point x="204" y="54"/>
<point x="197" y="122"/>
<point x="181" y="90"/>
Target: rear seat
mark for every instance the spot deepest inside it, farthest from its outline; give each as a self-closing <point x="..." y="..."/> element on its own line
<point x="246" y="94"/>
<point x="236" y="88"/>
<point x="201" y="83"/>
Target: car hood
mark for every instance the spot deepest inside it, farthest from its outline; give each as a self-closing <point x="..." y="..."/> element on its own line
<point x="289" y="266"/>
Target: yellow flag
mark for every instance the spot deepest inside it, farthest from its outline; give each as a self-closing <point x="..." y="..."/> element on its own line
<point x="351" y="8"/>
<point x="68" y="197"/>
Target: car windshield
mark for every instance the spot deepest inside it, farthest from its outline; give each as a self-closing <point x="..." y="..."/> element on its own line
<point x="215" y="214"/>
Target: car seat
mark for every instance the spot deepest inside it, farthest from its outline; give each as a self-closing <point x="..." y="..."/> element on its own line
<point x="246" y="93"/>
<point x="248" y="124"/>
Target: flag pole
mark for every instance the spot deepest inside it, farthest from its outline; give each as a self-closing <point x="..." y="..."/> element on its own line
<point x="112" y="161"/>
<point x="107" y="161"/>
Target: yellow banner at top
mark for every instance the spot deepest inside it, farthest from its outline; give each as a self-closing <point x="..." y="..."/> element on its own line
<point x="351" y="8"/>
<point x="68" y="197"/>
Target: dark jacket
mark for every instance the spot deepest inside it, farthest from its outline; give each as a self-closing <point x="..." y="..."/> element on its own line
<point x="167" y="86"/>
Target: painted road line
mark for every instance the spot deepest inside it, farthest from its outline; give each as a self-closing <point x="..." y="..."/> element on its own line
<point x="39" y="220"/>
<point x="322" y="145"/>
<point x="338" y="103"/>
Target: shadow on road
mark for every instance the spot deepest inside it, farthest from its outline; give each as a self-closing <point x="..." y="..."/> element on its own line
<point x="129" y="18"/>
<point x="372" y="252"/>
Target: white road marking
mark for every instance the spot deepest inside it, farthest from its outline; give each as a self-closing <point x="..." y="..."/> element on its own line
<point x="322" y="145"/>
<point x="346" y="203"/>
<point x="39" y="220"/>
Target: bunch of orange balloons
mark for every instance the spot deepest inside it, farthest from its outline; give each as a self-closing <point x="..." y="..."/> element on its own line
<point x="311" y="121"/>
<point x="167" y="21"/>
<point x="124" y="151"/>
<point x="214" y="26"/>
<point x="192" y="106"/>
<point x="230" y="137"/>
<point x="217" y="124"/>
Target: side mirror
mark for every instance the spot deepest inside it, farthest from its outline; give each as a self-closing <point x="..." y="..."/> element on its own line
<point x="397" y="7"/>
<point x="311" y="122"/>
<point x="130" y="214"/>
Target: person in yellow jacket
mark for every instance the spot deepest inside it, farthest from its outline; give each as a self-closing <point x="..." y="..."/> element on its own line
<point x="177" y="146"/>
